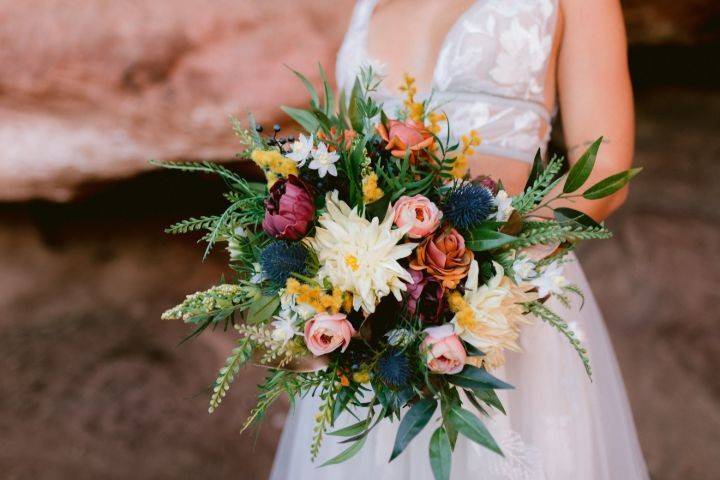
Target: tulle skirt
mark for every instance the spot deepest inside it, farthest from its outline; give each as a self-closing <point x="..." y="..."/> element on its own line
<point x="559" y="424"/>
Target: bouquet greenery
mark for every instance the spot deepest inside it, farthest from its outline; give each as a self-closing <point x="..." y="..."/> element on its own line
<point x="371" y="271"/>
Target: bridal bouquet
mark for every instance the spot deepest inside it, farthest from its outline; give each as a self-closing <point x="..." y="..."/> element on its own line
<point x="371" y="271"/>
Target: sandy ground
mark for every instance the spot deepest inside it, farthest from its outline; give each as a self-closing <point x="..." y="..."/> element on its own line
<point x="94" y="385"/>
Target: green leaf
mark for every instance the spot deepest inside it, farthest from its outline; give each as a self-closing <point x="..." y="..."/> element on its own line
<point x="490" y="397"/>
<point x="314" y="101"/>
<point x="474" y="377"/>
<point x="329" y="102"/>
<point x="412" y="423"/>
<point x="354" y="110"/>
<point x="569" y="216"/>
<point x="580" y="172"/>
<point x="537" y="169"/>
<point x="262" y="308"/>
<point x="305" y="118"/>
<point x="440" y="454"/>
<point x="469" y="425"/>
<point x="479" y="239"/>
<point x="611" y="184"/>
<point x="351" y="430"/>
<point x="346" y="454"/>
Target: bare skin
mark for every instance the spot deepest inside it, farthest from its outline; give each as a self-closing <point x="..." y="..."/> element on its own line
<point x="588" y="64"/>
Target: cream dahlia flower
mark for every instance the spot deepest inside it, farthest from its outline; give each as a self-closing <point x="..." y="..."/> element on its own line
<point x="489" y="316"/>
<point x="360" y="256"/>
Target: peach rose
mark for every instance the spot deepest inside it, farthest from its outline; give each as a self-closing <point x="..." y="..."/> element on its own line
<point x="326" y="332"/>
<point x="444" y="350"/>
<point x="444" y="256"/>
<point x="402" y="137"/>
<point x="419" y="212"/>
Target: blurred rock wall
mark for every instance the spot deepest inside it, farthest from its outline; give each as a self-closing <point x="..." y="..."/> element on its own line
<point x="89" y="91"/>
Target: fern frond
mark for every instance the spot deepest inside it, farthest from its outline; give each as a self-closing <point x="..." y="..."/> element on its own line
<point x="542" y="185"/>
<point x="550" y="317"/>
<point x="552" y="233"/>
<point x="193" y="225"/>
<point x="204" y="167"/>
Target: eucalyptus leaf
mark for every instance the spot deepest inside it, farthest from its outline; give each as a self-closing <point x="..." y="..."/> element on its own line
<point x="490" y="397"/>
<point x="412" y="423"/>
<point x="346" y="454"/>
<point x="329" y="102"/>
<point x="314" y="101"/>
<point x="479" y="239"/>
<point x="305" y="118"/>
<point x="354" y="110"/>
<point x="440" y="454"/>
<point x="611" y="184"/>
<point x="568" y="216"/>
<point x="351" y="430"/>
<point x="580" y="172"/>
<point x="262" y="309"/>
<point x="470" y="426"/>
<point x="474" y="377"/>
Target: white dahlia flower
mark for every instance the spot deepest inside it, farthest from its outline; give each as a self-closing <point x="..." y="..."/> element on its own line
<point x="489" y="316"/>
<point x="360" y="256"/>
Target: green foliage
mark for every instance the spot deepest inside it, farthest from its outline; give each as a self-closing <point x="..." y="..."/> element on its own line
<point x="611" y="184"/>
<point x="580" y="172"/>
<point x="547" y="233"/>
<point x="544" y="182"/>
<point x="440" y="454"/>
<point x="473" y="377"/>
<point x="212" y="306"/>
<point x="412" y="423"/>
<point x="471" y="427"/>
<point x="550" y="317"/>
<point x="481" y="239"/>
<point x="193" y="225"/>
<point x="330" y="388"/>
<point x="237" y="358"/>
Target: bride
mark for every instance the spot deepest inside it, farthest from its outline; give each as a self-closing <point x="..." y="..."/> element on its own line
<point x="501" y="67"/>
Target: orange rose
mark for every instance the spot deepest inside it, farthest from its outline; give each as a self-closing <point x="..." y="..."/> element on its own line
<point x="402" y="137"/>
<point x="444" y="256"/>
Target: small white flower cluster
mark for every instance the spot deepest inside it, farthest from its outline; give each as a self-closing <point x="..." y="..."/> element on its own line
<point x="548" y="280"/>
<point x="503" y="203"/>
<point x="323" y="160"/>
<point x="291" y="314"/>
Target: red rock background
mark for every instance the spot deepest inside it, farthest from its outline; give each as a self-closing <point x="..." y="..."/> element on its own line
<point x="94" y="385"/>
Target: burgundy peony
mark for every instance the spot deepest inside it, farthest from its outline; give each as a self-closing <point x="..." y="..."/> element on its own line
<point x="426" y="294"/>
<point x="289" y="209"/>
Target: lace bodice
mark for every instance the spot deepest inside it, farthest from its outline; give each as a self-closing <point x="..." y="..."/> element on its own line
<point x="490" y="74"/>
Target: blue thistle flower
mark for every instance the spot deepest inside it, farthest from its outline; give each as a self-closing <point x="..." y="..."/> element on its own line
<point x="393" y="368"/>
<point x="280" y="260"/>
<point x="468" y="205"/>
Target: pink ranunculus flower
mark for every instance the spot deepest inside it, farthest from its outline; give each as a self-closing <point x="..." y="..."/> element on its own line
<point x="420" y="213"/>
<point x="444" y="350"/>
<point x="326" y="332"/>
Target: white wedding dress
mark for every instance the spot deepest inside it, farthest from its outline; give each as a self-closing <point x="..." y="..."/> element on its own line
<point x="490" y="76"/>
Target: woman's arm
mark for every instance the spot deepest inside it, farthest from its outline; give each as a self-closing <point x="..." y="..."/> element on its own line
<point x="595" y="94"/>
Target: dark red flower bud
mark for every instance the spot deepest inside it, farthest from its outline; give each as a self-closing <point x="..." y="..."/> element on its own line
<point x="426" y="297"/>
<point x="488" y="183"/>
<point x="289" y="209"/>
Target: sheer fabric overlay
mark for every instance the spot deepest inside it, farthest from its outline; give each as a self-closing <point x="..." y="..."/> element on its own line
<point x="490" y="73"/>
<point x="559" y="425"/>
